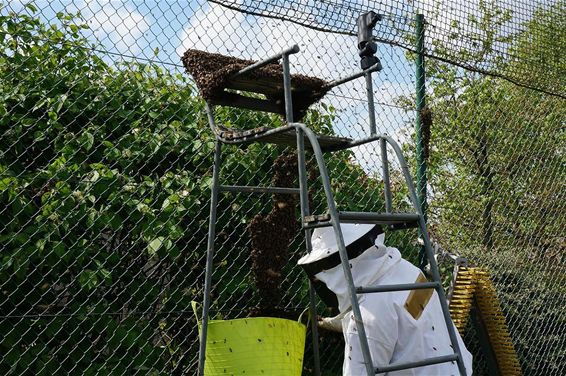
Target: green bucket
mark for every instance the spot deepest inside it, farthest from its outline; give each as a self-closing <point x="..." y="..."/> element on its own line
<point x="254" y="346"/>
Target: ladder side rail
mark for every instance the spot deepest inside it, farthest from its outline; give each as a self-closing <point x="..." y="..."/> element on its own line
<point x="341" y="247"/>
<point x="385" y="175"/>
<point x="314" y="329"/>
<point x="304" y="200"/>
<point x="441" y="296"/>
<point x="209" y="109"/>
<point x="429" y="253"/>
<point x="209" y="256"/>
<point x="305" y="211"/>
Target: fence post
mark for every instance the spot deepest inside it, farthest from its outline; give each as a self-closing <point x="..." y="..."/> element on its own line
<point x="420" y="137"/>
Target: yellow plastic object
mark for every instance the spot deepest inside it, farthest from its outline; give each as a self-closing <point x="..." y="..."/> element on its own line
<point x="473" y="287"/>
<point x="254" y="346"/>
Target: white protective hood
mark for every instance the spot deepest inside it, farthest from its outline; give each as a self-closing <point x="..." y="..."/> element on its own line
<point x="367" y="268"/>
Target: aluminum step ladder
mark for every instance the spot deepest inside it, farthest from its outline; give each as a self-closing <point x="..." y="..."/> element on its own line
<point x="299" y="135"/>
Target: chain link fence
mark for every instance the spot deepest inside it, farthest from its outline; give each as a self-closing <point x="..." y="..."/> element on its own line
<point x="106" y="159"/>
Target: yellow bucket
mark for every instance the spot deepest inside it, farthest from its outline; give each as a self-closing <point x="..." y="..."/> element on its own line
<point x="254" y="346"/>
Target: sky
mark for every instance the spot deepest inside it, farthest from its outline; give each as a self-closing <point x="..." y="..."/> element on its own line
<point x="162" y="30"/>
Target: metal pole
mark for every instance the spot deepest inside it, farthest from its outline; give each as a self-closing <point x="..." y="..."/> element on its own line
<point x="371" y="105"/>
<point x="314" y="329"/>
<point x="420" y="104"/>
<point x="305" y="211"/>
<point x="385" y="173"/>
<point x="209" y="257"/>
<point x="287" y="89"/>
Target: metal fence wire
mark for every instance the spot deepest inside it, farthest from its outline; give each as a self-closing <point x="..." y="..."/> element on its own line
<point x="106" y="163"/>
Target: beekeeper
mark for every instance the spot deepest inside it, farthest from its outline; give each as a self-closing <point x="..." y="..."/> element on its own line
<point x="401" y="326"/>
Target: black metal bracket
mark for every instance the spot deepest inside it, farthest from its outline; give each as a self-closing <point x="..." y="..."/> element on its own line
<point x="366" y="46"/>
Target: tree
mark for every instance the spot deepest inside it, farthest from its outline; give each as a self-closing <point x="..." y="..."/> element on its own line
<point x="104" y="193"/>
<point x="496" y="165"/>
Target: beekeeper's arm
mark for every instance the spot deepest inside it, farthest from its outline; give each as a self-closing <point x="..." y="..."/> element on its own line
<point x="381" y="330"/>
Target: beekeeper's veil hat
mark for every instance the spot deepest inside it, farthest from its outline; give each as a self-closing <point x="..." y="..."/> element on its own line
<point x="324" y="255"/>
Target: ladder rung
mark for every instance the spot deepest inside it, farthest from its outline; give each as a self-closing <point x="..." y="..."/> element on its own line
<point x="310" y="226"/>
<point x="252" y="189"/>
<point x="395" y="220"/>
<point x="320" y="220"/>
<point x="379" y="218"/>
<point x="399" y="287"/>
<point x="420" y="363"/>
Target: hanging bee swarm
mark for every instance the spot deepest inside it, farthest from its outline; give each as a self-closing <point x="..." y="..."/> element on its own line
<point x="270" y="237"/>
<point x="213" y="73"/>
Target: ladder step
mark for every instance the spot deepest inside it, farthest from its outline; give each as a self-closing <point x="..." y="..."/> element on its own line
<point x="421" y="363"/>
<point x="314" y="219"/>
<point x="252" y="189"/>
<point x="395" y="221"/>
<point x="399" y="287"/>
<point x="379" y="218"/>
<point x="274" y="136"/>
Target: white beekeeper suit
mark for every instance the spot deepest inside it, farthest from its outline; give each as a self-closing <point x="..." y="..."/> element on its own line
<point x="401" y="326"/>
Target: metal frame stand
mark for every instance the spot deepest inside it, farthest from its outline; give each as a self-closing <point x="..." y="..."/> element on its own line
<point x="332" y="218"/>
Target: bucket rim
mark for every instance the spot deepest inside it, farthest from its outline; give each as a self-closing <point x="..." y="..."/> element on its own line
<point x="261" y="318"/>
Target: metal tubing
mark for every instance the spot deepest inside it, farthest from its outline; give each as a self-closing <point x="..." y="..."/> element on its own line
<point x="371" y="104"/>
<point x="311" y="226"/>
<point x="351" y="144"/>
<point x="420" y="104"/>
<point x="251" y="189"/>
<point x="383" y="218"/>
<point x="373" y="68"/>
<point x="291" y="50"/>
<point x="314" y="329"/>
<point x="210" y="115"/>
<point x="305" y="211"/>
<point x="443" y="304"/>
<point x="421" y="363"/>
<point x="428" y="249"/>
<point x="209" y="257"/>
<point x="385" y="173"/>
<point x="341" y="247"/>
<point x="399" y="287"/>
<point x="287" y="89"/>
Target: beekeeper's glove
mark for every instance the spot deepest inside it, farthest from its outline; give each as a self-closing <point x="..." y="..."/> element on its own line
<point x="333" y="324"/>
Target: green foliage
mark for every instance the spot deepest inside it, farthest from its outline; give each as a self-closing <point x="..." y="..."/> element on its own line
<point x="104" y="191"/>
<point x="497" y="165"/>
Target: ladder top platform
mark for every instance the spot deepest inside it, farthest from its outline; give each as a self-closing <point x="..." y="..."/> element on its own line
<point x="216" y="73"/>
